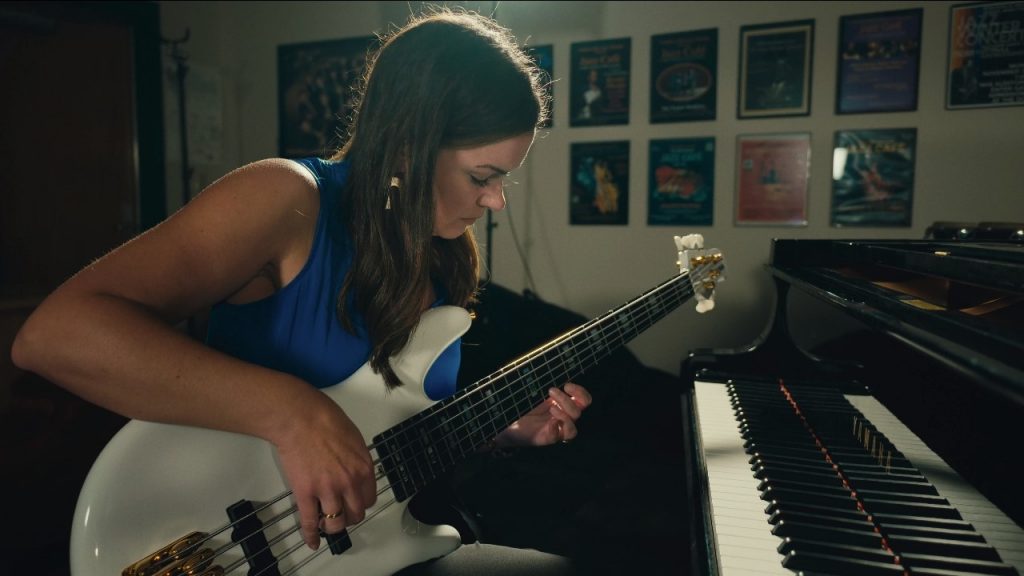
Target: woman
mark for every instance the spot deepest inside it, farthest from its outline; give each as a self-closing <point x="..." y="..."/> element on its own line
<point x="313" y="268"/>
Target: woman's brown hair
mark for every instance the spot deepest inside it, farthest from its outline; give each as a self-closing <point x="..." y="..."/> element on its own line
<point x="445" y="80"/>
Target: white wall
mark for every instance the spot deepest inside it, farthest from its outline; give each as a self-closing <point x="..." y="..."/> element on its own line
<point x="966" y="165"/>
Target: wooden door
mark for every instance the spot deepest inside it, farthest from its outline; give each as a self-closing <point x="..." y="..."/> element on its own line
<point x="70" y="175"/>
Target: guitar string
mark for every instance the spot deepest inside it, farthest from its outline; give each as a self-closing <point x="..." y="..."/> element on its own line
<point x="484" y="384"/>
<point x="674" y="301"/>
<point x="288" y="531"/>
<point x="298" y="546"/>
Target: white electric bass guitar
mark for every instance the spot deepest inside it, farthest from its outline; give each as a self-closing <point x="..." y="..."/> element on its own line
<point x="167" y="500"/>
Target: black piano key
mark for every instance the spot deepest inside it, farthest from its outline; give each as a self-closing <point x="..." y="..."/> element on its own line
<point x="865" y="459"/>
<point x="783" y="446"/>
<point x="866" y="537"/>
<point x="779" y="441"/>
<point x="909" y="520"/>
<point x="862" y="483"/>
<point x="786" y="496"/>
<point x="834" y="521"/>
<point x="859" y="473"/>
<point x="788" y="462"/>
<point x="928" y="571"/>
<point x="833" y="486"/>
<point x="874" y="554"/>
<point x="931" y="532"/>
<point x="932" y="499"/>
<point x="838" y="566"/>
<point x="771" y="457"/>
<point x="752" y="444"/>
<point x="817" y="475"/>
<point x="881" y="505"/>
<point x="928" y="564"/>
<point x="848" y="513"/>
<point x="943" y="547"/>
<point x="774" y="434"/>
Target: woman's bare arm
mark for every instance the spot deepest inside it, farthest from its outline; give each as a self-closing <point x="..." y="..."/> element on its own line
<point x="107" y="333"/>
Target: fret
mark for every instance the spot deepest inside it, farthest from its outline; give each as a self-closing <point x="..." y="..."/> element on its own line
<point x="627" y="329"/>
<point x="612" y="334"/>
<point x="532" y="382"/>
<point x="568" y="355"/>
<point x="597" y="343"/>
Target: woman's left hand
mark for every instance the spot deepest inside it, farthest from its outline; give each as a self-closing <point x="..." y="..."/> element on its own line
<point x="554" y="420"/>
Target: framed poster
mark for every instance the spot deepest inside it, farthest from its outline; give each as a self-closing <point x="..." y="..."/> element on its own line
<point x="599" y="183"/>
<point x="775" y="69"/>
<point x="316" y="89"/>
<point x="544" y="56"/>
<point x="873" y="177"/>
<point x="985" y="67"/>
<point x="681" y="182"/>
<point x="879" y="62"/>
<point x="684" y="76"/>
<point x="599" y="83"/>
<point x="772" y="179"/>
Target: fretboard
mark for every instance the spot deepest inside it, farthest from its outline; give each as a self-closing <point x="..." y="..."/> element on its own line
<point x="423" y="447"/>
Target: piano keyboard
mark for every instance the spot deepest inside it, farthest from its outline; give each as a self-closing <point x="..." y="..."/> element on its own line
<point x="778" y="506"/>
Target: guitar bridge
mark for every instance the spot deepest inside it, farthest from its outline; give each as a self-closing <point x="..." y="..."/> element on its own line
<point x="166" y="558"/>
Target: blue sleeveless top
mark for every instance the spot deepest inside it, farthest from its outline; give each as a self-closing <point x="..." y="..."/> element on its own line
<point x="296" y="329"/>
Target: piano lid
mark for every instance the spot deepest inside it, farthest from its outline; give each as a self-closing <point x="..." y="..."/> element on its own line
<point x="959" y="302"/>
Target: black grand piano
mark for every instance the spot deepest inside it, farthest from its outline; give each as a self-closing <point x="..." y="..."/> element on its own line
<point x="893" y="447"/>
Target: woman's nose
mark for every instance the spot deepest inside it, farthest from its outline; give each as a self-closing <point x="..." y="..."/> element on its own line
<point x="493" y="197"/>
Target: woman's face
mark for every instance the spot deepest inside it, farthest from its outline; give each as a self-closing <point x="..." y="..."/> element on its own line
<point x="468" y="181"/>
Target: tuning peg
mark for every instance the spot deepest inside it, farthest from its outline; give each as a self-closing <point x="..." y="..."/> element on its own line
<point x="705" y="266"/>
<point x="705" y="304"/>
<point x="689" y="242"/>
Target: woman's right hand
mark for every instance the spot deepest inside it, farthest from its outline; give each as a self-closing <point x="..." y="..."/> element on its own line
<point x="328" y="468"/>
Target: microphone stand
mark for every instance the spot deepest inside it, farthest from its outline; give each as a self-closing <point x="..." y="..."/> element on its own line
<point x="491" y="225"/>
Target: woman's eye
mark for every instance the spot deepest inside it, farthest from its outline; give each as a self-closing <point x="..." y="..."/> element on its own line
<point x="480" y="183"/>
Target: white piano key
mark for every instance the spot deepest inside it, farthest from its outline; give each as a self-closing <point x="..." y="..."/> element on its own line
<point x="742" y="533"/>
<point x="1001" y="532"/>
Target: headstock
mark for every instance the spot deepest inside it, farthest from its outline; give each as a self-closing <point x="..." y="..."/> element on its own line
<point x="706" y="267"/>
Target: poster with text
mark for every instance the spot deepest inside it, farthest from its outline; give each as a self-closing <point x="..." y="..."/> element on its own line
<point x="599" y="83"/>
<point x="879" y="57"/>
<point x="986" y="55"/>
<point x="681" y="182"/>
<point x="684" y="76"/>
<point x="772" y="179"/>
<point x="599" y="183"/>
<point x="873" y="177"/>
<point x="544" y="56"/>
<point x="775" y="69"/>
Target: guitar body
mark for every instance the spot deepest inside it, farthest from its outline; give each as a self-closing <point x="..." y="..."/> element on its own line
<point x="155" y="483"/>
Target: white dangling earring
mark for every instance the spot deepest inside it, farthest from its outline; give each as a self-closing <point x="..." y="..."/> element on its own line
<point x="396" y="186"/>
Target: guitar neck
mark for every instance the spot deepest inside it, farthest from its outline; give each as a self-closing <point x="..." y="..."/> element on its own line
<point x="430" y="443"/>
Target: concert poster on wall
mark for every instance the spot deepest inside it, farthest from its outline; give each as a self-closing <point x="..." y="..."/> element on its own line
<point x="684" y="76"/>
<point x="879" y="57"/>
<point x="986" y="55"/>
<point x="545" y="59"/>
<point x="772" y="179"/>
<point x="316" y="93"/>
<point x="775" y="69"/>
<point x="599" y="83"/>
<point x="599" y="183"/>
<point x="873" y="177"/>
<point x="681" y="182"/>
